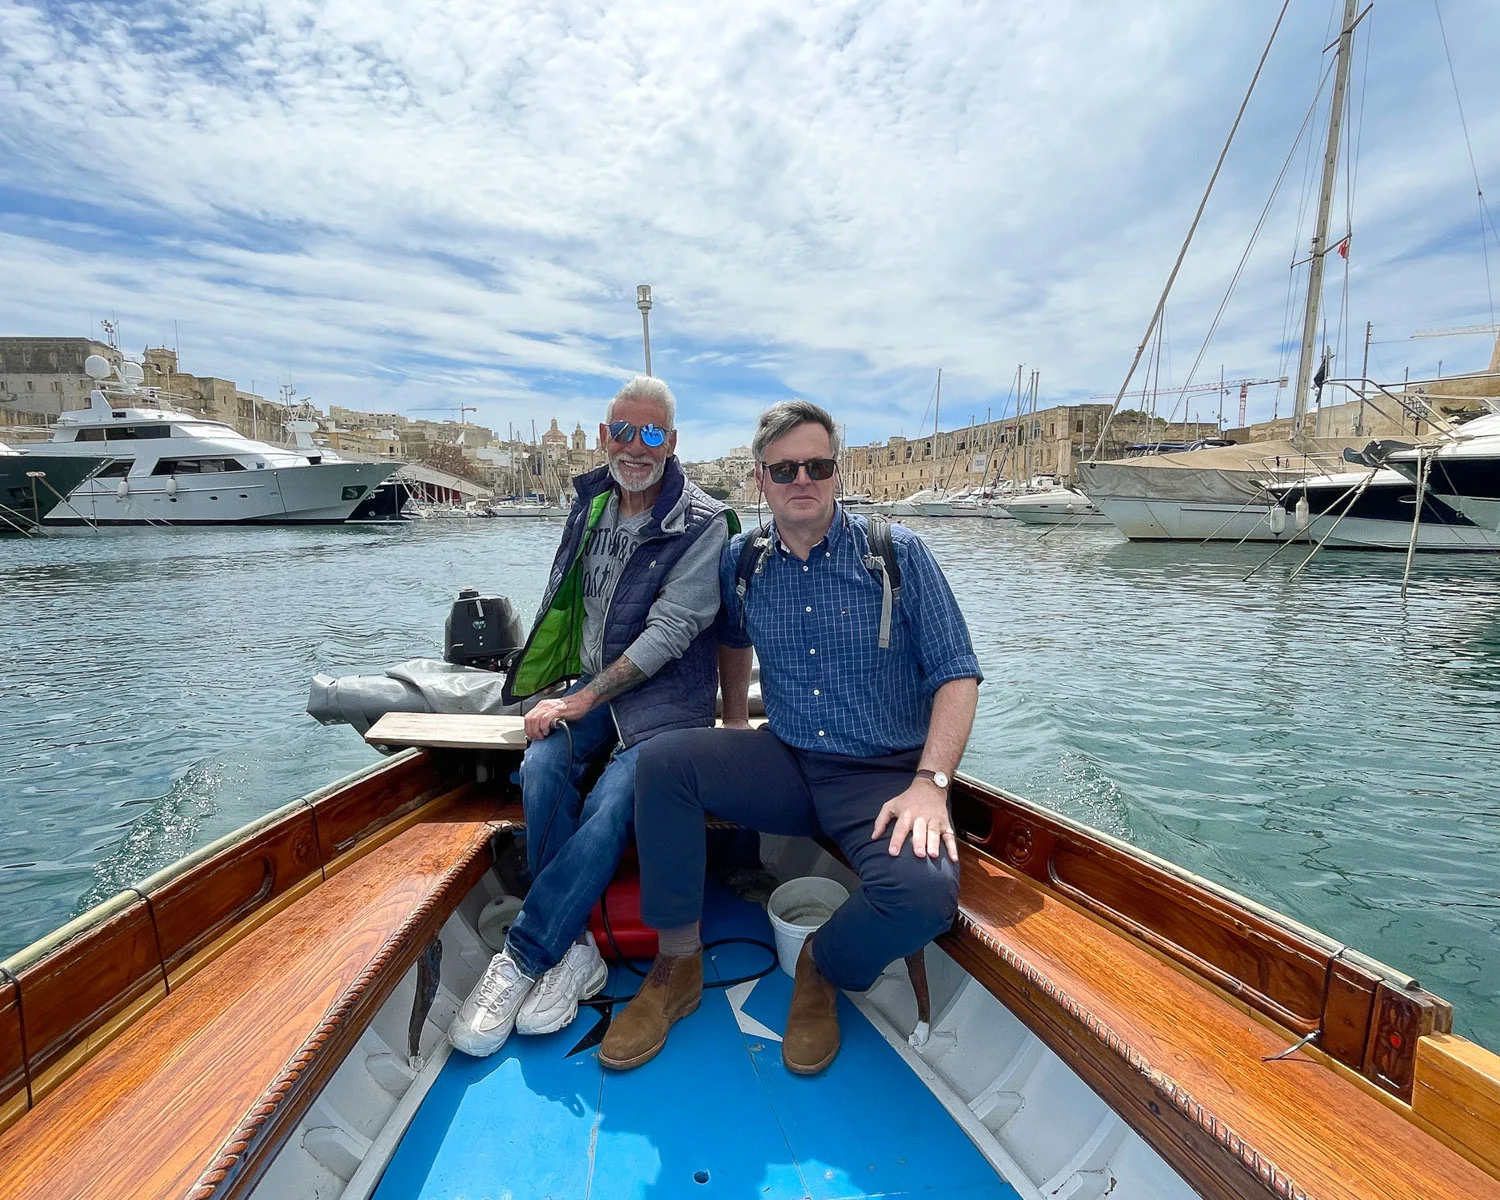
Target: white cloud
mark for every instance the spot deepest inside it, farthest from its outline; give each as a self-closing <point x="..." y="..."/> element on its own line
<point x="407" y="204"/>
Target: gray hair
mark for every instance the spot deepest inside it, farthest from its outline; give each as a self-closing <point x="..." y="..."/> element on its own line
<point x="783" y="417"/>
<point x="647" y="387"/>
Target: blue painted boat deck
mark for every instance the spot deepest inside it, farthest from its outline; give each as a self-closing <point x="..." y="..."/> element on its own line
<point x="715" y="1114"/>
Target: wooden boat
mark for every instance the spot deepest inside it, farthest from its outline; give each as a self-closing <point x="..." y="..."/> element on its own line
<point x="267" y="1018"/>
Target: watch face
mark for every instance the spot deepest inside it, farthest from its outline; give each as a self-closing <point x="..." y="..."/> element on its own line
<point x="940" y="779"/>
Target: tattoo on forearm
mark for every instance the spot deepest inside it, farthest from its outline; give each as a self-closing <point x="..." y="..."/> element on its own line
<point x="620" y="676"/>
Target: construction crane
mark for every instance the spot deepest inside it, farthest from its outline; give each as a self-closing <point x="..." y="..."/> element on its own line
<point x="1431" y="333"/>
<point x="1243" y="384"/>
<point x="460" y="409"/>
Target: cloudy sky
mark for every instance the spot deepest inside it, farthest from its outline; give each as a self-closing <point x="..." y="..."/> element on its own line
<point x="416" y="205"/>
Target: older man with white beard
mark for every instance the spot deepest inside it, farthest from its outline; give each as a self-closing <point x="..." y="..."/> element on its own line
<point x="629" y="614"/>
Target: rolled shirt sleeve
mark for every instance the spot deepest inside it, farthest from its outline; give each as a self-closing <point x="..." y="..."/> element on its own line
<point x="943" y="648"/>
<point x="685" y="606"/>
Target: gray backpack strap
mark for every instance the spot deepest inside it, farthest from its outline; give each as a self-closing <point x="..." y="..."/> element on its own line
<point x="882" y="561"/>
<point x="751" y="560"/>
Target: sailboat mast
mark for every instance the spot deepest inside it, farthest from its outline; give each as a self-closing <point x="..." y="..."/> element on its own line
<point x="1320" y="235"/>
<point x="937" y="407"/>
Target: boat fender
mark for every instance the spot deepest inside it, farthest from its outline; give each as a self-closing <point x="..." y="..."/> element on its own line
<point x="123" y="489"/>
<point x="171" y="485"/>
<point x="1302" y="513"/>
<point x="1277" y="519"/>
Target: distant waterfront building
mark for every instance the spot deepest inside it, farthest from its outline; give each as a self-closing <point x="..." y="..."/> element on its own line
<point x="41" y="377"/>
<point x="218" y="399"/>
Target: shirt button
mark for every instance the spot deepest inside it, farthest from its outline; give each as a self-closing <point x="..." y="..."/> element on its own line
<point x="804" y="567"/>
<point x="812" y="651"/>
<point x="821" y="733"/>
<point x="816" y="692"/>
<point x="828" y="554"/>
<point x="809" y="608"/>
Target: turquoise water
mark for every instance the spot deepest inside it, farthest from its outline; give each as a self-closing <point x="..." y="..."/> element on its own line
<point x="1318" y="744"/>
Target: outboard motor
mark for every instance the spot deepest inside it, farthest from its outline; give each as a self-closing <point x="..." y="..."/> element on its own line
<point x="482" y="636"/>
<point x="482" y="631"/>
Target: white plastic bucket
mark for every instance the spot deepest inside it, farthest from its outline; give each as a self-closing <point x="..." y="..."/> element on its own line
<point x="495" y="920"/>
<point x="798" y="907"/>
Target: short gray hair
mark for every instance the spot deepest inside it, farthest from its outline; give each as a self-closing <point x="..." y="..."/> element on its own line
<point x="647" y="387"/>
<point x="783" y="417"/>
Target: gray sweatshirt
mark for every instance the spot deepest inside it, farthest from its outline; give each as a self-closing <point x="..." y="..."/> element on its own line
<point x="686" y="604"/>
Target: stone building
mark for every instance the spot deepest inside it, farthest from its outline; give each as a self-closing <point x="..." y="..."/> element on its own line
<point x="41" y="377"/>
<point x="216" y="399"/>
<point x="1048" y="442"/>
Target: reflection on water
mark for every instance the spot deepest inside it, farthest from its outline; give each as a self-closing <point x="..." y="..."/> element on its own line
<point x="1318" y="744"/>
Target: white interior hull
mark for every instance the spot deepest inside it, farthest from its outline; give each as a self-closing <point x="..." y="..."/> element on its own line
<point x="1040" y="1126"/>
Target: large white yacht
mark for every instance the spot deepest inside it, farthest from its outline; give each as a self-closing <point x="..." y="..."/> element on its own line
<point x="176" y="468"/>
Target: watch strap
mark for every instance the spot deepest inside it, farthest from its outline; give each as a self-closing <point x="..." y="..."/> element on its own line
<point x="924" y="773"/>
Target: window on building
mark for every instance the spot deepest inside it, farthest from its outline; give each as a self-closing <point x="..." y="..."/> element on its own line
<point x="1078" y="425"/>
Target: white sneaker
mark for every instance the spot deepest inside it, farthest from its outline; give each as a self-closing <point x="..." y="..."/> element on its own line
<point x="481" y="1026"/>
<point x="553" y="1003"/>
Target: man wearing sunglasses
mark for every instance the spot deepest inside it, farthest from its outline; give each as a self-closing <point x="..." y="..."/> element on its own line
<point x="628" y="614"/>
<point x="869" y="706"/>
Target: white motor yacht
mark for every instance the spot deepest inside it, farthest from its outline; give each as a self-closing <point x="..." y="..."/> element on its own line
<point x="1463" y="473"/>
<point x="176" y="468"/>
<point x="1373" y="509"/>
<point x="1056" y="506"/>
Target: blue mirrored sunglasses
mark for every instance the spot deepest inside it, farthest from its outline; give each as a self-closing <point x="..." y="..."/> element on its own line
<point x="624" y="433"/>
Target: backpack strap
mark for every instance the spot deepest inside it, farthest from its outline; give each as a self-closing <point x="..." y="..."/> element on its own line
<point x="752" y="559"/>
<point x="882" y="561"/>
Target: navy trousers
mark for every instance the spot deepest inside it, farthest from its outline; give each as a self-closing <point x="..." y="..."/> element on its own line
<point x="754" y="779"/>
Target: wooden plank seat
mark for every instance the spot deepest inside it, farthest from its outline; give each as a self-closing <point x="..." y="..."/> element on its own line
<point x="1185" y="1066"/>
<point x="193" y="1097"/>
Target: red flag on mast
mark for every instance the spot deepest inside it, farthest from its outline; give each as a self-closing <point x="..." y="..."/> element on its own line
<point x="1343" y="248"/>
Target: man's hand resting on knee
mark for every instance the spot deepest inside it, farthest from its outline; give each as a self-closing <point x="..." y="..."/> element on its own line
<point x="922" y="811"/>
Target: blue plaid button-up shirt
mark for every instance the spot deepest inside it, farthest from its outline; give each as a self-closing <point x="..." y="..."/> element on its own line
<point x="815" y="627"/>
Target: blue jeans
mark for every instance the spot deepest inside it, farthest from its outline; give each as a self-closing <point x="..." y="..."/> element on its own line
<point x="573" y="844"/>
<point x="752" y="778"/>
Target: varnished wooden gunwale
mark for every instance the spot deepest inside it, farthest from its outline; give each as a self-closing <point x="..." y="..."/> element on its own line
<point x="196" y="1097"/>
<point x="76" y="988"/>
<point x="1368" y="1016"/>
<point x="1185" y="1068"/>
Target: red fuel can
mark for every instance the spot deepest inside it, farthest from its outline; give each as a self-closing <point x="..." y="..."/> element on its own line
<point x="628" y="934"/>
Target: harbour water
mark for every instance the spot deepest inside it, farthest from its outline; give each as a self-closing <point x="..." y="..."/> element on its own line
<point x="1318" y="744"/>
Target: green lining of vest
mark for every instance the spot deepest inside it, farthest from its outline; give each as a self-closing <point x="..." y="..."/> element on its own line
<point x="555" y="650"/>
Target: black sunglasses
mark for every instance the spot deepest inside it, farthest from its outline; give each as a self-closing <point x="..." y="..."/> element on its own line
<point x="624" y="433"/>
<point x="818" y="469"/>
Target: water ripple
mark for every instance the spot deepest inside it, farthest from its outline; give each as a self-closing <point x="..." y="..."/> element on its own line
<point x="1316" y="743"/>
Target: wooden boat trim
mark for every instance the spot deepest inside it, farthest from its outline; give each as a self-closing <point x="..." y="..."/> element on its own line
<point x="1366" y="1015"/>
<point x="237" y="1165"/>
<point x="361" y="811"/>
<point x="1455" y="1085"/>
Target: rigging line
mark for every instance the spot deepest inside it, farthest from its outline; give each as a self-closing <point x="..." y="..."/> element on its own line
<point x="1473" y="166"/>
<point x="1255" y="234"/>
<point x="1193" y="228"/>
<point x="1358" y="490"/>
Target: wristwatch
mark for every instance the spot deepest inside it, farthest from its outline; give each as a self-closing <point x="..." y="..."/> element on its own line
<point x="937" y="777"/>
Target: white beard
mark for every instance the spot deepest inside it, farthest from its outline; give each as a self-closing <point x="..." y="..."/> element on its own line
<point x="651" y="480"/>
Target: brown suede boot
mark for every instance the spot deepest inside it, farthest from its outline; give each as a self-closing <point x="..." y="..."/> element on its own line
<point x="672" y="991"/>
<point x="812" y="1024"/>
